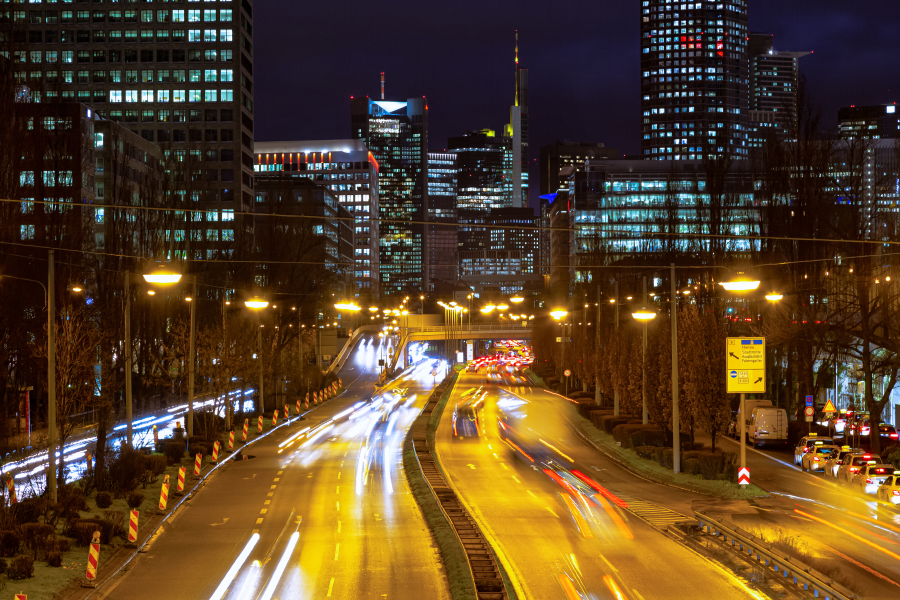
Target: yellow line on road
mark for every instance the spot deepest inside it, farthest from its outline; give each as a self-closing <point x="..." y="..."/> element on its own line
<point x="338" y="504"/>
<point x="516" y="478"/>
<point x="337" y="549"/>
<point x="259" y="520"/>
<point x="337" y="489"/>
<point x="551" y="512"/>
<point x="339" y="526"/>
<point x="330" y="586"/>
<point x="531" y="494"/>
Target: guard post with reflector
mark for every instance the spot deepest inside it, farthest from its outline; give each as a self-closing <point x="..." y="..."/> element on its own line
<point x="744" y="476"/>
<point x="298" y="407"/>
<point x="93" y="562"/>
<point x="179" y="490"/>
<point x="246" y="426"/>
<point x="215" y="457"/>
<point x="231" y="440"/>
<point x="133" y="529"/>
<point x="306" y="402"/>
<point x="197" y="460"/>
<point x="11" y="488"/>
<point x="259" y="426"/>
<point x="275" y="418"/>
<point x="164" y="495"/>
<point x="155" y="438"/>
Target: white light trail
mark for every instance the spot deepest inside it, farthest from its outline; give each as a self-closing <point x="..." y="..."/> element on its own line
<point x="279" y="570"/>
<point x="232" y="572"/>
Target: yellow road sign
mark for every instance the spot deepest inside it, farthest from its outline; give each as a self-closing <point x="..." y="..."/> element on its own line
<point x="745" y="361"/>
<point x="829" y="407"/>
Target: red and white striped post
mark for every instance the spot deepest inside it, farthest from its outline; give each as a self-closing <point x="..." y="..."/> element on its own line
<point x="246" y="425"/>
<point x="215" y="457"/>
<point x="259" y="426"/>
<point x="298" y="407"/>
<point x="133" y="529"/>
<point x="231" y="440"/>
<point x="155" y="438"/>
<point x="21" y="597"/>
<point x="164" y="495"/>
<point x="197" y="465"/>
<point x="90" y="466"/>
<point x="275" y="418"/>
<point x="179" y="490"/>
<point x="306" y="402"/>
<point x="11" y="488"/>
<point x="93" y="561"/>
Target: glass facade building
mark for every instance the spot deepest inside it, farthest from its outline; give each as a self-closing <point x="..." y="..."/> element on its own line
<point x="350" y="171"/>
<point x="881" y="121"/>
<point x="179" y="74"/>
<point x="694" y="81"/>
<point x="484" y="170"/>
<point x="442" y="244"/>
<point x="568" y="154"/>
<point x="774" y="89"/>
<point x="397" y="135"/>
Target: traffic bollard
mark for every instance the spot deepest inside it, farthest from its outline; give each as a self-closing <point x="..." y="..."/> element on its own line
<point x="306" y="402"/>
<point x="155" y="438"/>
<point x="259" y="427"/>
<point x="179" y="489"/>
<point x="90" y="466"/>
<point x="11" y="487"/>
<point x="164" y="496"/>
<point x="298" y="407"/>
<point x="246" y="425"/>
<point x="231" y="440"/>
<point x="215" y="457"/>
<point x="197" y="465"/>
<point x="133" y="529"/>
<point x="275" y="418"/>
<point x="93" y="562"/>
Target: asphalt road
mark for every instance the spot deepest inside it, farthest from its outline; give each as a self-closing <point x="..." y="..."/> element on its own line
<point x="535" y="533"/>
<point x="339" y="487"/>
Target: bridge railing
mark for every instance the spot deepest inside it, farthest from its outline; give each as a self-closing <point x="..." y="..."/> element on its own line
<point x="476" y="327"/>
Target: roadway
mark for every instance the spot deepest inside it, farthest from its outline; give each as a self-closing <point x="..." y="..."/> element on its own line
<point x="529" y="524"/>
<point x="339" y="486"/>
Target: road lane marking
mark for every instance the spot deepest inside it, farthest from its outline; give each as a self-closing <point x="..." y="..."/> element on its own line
<point x="267" y="502"/>
<point x="532" y="494"/>
<point x="516" y="478"/>
<point x="280" y="472"/>
<point x="258" y="521"/>
<point x="611" y="566"/>
<point x="471" y="466"/>
<point x="330" y="586"/>
<point x="264" y="511"/>
<point x="342" y="463"/>
<point x="270" y="494"/>
<point x="277" y="478"/>
<point x="256" y="530"/>
<point x="339" y="526"/>
<point x="338" y="505"/>
<point x="337" y="490"/>
<point x="337" y="549"/>
<point x="551" y="512"/>
<point x="638" y="594"/>
<point x="272" y="487"/>
<point x="339" y="475"/>
<point x="504" y="466"/>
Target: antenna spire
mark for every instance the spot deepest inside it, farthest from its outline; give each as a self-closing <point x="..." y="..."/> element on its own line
<point x="517" y="67"/>
<point x="382" y="85"/>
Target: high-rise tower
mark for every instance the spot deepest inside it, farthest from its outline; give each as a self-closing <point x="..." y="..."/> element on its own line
<point x="518" y="131"/>
<point x="774" y="90"/>
<point x="694" y="80"/>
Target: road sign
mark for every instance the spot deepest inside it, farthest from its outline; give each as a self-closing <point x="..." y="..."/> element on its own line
<point x="567" y="372"/>
<point x="559" y="339"/>
<point x="808" y="419"/>
<point x="744" y="476"/>
<point x="829" y="407"/>
<point x="809" y="400"/>
<point x="810" y="411"/>
<point x="745" y="365"/>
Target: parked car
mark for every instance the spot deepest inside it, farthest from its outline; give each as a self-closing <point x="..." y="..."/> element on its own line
<point x="768" y="426"/>
<point x="807" y="442"/>
<point x="734" y="428"/>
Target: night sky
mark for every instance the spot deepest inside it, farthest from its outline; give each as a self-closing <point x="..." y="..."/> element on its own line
<point x="583" y="60"/>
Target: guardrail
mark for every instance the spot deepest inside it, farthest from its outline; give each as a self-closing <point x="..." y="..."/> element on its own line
<point x="345" y="352"/>
<point x="778" y="561"/>
<point x="476" y="327"/>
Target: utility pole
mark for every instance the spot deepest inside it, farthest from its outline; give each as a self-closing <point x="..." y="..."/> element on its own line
<point x="644" y="361"/>
<point x="129" y="410"/>
<point x="597" y="349"/>
<point x="193" y="358"/>
<point x="676" y="427"/>
<point x="615" y="387"/>
<point x="51" y="373"/>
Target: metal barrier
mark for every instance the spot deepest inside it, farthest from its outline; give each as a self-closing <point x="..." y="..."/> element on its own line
<point x="787" y="566"/>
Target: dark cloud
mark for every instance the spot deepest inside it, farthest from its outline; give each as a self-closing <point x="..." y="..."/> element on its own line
<point x="583" y="60"/>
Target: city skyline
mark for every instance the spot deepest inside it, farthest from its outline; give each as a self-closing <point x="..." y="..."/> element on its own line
<point x="571" y="62"/>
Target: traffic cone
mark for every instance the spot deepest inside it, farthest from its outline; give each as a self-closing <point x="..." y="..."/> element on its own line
<point x="231" y="440"/>
<point x="259" y="427"/>
<point x="197" y="465"/>
<point x="246" y="425"/>
<point x="93" y="562"/>
<point x="215" y="457"/>
<point x="164" y="496"/>
<point x="133" y="529"/>
<point x="11" y="487"/>
<point x="275" y="418"/>
<point x="179" y="490"/>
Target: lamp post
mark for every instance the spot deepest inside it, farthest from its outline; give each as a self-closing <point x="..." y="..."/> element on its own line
<point x="256" y="303"/>
<point x="676" y="426"/>
<point x="644" y="315"/>
<point x="615" y="301"/>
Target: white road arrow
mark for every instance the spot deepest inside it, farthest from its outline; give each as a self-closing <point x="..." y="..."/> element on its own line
<point x="225" y="520"/>
<point x="471" y="466"/>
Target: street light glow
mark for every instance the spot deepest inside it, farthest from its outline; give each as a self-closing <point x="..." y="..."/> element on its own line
<point x="741" y="284"/>
<point x="644" y="314"/>
<point x="558" y="314"/>
<point x="256" y="303"/>
<point x="516" y="299"/>
<point x="347" y="306"/>
<point x="774" y="297"/>
<point x="162" y="274"/>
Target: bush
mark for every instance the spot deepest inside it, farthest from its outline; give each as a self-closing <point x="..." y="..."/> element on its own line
<point x="104" y="500"/>
<point x="127" y="471"/>
<point x="117" y="518"/>
<point x="134" y="500"/>
<point x="648" y="452"/>
<point x="174" y="451"/>
<point x="86" y="528"/>
<point x="71" y="499"/>
<point x="157" y="464"/>
<point x="29" y="510"/>
<point x="3" y="566"/>
<point x="37" y="537"/>
<point x="667" y="458"/>
<point x="692" y="446"/>
<point x="200" y="449"/>
<point x="648" y="436"/>
<point x="21" y="568"/>
<point x="659" y="455"/>
<point x="609" y="422"/>
<point x="84" y="531"/>
<point x="691" y="465"/>
<point x="711" y="464"/>
<point x="9" y="543"/>
<point x="208" y="425"/>
<point x="54" y="559"/>
<point x="63" y="545"/>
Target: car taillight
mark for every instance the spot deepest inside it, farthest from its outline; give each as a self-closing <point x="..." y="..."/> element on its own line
<point x="896" y="492"/>
<point x="854" y="469"/>
<point x="869" y="480"/>
<point x="895" y="435"/>
<point x="816" y="459"/>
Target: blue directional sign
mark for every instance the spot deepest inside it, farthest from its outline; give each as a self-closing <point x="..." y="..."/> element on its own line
<point x="809" y="400"/>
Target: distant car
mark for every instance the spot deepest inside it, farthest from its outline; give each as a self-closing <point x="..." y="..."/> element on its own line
<point x="834" y="461"/>
<point x="853" y="463"/>
<point x="889" y="490"/>
<point x="768" y="426"/>
<point x="815" y="459"/>
<point x="870" y="477"/>
<point x="807" y="442"/>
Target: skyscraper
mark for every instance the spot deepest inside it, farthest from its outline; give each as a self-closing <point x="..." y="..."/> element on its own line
<point x="694" y="82"/>
<point x="568" y="154"/>
<point x="880" y="121"/>
<point x="774" y="89"/>
<point x="517" y="130"/>
<point x="179" y="76"/>
<point x="442" y="250"/>
<point x="397" y="135"/>
<point x="484" y="164"/>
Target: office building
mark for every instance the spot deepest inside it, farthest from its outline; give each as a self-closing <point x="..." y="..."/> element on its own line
<point x="178" y="75"/>
<point x="484" y="163"/>
<point x="350" y="171"/>
<point x="498" y="250"/>
<point x="397" y="135"/>
<point x="442" y="247"/>
<point x="517" y="131"/>
<point x="880" y="121"/>
<point x="774" y="90"/>
<point x="324" y="243"/>
<point x="568" y="154"/>
<point x="694" y="81"/>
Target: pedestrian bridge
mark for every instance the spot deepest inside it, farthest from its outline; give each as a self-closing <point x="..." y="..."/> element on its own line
<point x="493" y="331"/>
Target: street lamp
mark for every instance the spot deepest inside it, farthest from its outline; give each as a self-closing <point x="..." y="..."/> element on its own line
<point x="517" y="299"/>
<point x="558" y="314"/>
<point x="774" y="297"/>
<point x="741" y="283"/>
<point x="256" y="303"/>
<point x="644" y="316"/>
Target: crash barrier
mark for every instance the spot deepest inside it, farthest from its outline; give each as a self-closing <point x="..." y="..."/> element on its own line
<point x="482" y="564"/>
<point x="762" y="552"/>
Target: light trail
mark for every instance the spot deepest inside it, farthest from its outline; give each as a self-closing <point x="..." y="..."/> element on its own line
<point x="848" y="532"/>
<point x="279" y="570"/>
<point x="232" y="572"/>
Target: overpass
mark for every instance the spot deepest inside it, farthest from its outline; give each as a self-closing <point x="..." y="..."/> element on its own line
<point x="493" y="331"/>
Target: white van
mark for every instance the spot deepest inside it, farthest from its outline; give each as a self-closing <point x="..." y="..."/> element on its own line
<point x="749" y="405"/>
<point x="768" y="425"/>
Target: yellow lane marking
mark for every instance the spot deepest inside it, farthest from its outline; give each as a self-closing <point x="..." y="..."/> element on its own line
<point x="551" y="512"/>
<point x="277" y="478"/>
<point x="339" y="526"/>
<point x="280" y="472"/>
<point x="272" y="487"/>
<point x="338" y="504"/>
<point x="516" y="478"/>
<point x="504" y="466"/>
<point x="330" y="586"/>
<point x="337" y="549"/>
<point x="337" y="490"/>
<point x="270" y="494"/>
<point x="259" y="520"/>
<point x="339" y="475"/>
<point x="264" y="511"/>
<point x="532" y="494"/>
<point x="267" y="502"/>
